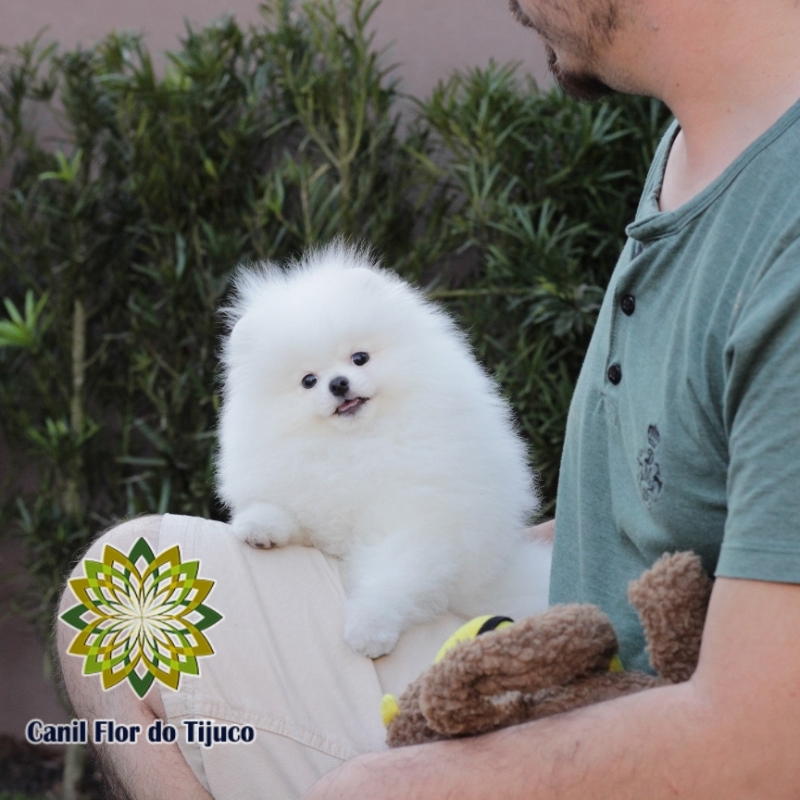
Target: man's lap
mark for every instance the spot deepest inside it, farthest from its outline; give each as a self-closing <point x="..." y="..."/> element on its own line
<point x="280" y="665"/>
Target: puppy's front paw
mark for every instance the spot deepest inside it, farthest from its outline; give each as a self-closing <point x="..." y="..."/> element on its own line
<point x="250" y="533"/>
<point x="368" y="635"/>
<point x="264" y="526"/>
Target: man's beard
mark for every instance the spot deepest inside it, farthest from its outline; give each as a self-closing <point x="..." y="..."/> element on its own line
<point x="581" y="85"/>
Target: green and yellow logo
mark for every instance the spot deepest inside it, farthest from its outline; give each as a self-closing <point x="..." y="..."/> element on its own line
<point x="141" y="617"/>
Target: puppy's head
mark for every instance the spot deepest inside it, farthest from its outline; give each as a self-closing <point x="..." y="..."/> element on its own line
<point x="332" y="342"/>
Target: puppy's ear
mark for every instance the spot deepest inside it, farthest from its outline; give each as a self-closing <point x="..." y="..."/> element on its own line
<point x="250" y="282"/>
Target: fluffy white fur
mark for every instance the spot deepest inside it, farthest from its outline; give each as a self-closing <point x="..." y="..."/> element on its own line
<point x="422" y="490"/>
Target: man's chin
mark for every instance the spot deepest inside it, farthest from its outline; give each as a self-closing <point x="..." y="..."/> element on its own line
<point x="580" y="85"/>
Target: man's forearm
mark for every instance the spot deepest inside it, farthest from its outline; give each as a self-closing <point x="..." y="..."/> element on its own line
<point x="636" y="747"/>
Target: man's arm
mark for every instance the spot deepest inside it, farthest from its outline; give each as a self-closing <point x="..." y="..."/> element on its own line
<point x="543" y="532"/>
<point x="731" y="732"/>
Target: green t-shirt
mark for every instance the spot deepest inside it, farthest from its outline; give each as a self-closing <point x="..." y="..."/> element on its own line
<point x="684" y="430"/>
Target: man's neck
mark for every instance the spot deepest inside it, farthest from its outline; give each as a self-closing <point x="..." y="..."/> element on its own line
<point x="726" y="97"/>
<point x="701" y="154"/>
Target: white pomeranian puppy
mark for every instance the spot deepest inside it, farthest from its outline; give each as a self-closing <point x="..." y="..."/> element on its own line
<point x="356" y="419"/>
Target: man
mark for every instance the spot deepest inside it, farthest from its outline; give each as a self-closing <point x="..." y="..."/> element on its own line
<point x="682" y="434"/>
<point x="683" y="428"/>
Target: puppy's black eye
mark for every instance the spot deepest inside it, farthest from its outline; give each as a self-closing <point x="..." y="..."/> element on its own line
<point x="309" y="381"/>
<point x="359" y="359"/>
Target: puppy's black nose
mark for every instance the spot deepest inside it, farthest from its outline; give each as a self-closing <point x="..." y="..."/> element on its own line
<point x="339" y="386"/>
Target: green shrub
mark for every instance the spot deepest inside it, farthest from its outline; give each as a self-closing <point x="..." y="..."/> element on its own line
<point x="507" y="203"/>
<point x="540" y="190"/>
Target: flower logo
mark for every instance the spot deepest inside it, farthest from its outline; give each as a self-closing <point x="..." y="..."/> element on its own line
<point x="141" y="617"/>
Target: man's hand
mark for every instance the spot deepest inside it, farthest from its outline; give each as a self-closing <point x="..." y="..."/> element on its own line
<point x="730" y="733"/>
<point x="543" y="532"/>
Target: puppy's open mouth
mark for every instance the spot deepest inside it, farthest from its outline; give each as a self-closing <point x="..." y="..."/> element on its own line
<point x="350" y="407"/>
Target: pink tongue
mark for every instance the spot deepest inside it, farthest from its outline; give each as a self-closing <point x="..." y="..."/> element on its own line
<point x="346" y="406"/>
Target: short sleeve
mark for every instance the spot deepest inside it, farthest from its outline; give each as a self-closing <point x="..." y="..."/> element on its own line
<point x="762" y="419"/>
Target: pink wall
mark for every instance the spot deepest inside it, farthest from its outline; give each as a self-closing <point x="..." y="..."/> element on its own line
<point x="430" y="39"/>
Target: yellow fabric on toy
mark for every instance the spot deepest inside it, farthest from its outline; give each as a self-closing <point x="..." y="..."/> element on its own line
<point x="469" y="630"/>
<point x="389" y="708"/>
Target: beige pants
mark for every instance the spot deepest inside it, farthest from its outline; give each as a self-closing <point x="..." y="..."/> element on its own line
<point x="282" y="666"/>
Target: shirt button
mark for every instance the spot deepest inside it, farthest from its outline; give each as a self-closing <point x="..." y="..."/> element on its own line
<point x="615" y="374"/>
<point x="628" y="304"/>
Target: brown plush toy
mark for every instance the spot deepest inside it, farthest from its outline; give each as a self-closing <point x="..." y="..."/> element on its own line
<point x="555" y="661"/>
